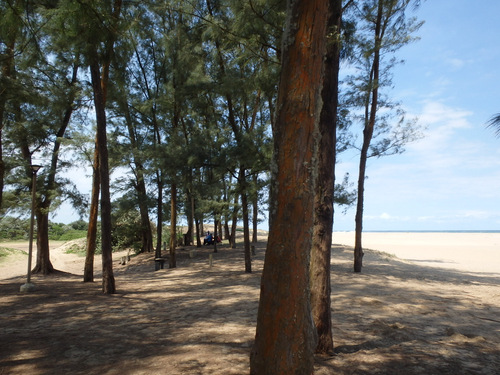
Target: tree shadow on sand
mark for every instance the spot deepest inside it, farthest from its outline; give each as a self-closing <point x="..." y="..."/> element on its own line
<point x="394" y="318"/>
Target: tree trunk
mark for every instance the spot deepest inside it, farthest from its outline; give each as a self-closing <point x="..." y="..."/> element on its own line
<point x="190" y="232"/>
<point x="215" y="234"/>
<point x="2" y="164"/>
<point x="43" y="249"/>
<point x="43" y="264"/>
<point x="227" y="234"/>
<point x="234" y="222"/>
<point x="246" y="230"/>
<point x="323" y="201"/>
<point x="88" y="272"/>
<point x="7" y="70"/>
<point x="286" y="337"/>
<point x="100" y="89"/>
<point x="108" y="280"/>
<point x="255" y="210"/>
<point x="370" y="116"/>
<point x="198" y="234"/>
<point x="159" y="219"/>
<point x="173" y="223"/>
<point x="140" y="185"/>
<point x="146" y="232"/>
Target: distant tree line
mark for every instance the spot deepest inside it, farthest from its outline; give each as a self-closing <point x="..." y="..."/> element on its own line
<point x="14" y="228"/>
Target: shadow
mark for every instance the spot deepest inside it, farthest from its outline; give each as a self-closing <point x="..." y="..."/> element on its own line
<point x="393" y="318"/>
<point x="193" y="319"/>
<point x="398" y="317"/>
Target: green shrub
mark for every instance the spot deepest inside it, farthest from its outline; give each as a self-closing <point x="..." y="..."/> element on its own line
<point x="72" y="234"/>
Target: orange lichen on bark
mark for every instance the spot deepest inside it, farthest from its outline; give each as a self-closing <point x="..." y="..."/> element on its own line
<point x="285" y="338"/>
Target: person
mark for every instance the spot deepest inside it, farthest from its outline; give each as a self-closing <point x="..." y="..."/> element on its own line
<point x="209" y="240"/>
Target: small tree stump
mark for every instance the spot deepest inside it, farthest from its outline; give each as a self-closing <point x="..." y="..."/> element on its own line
<point x="159" y="263"/>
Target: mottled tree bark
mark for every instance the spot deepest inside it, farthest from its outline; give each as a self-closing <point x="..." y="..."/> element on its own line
<point x="286" y="338"/>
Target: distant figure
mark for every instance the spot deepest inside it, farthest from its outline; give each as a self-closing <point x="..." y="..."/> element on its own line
<point x="209" y="239"/>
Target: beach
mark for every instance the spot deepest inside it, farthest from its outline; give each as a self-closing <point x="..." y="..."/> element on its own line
<point x="464" y="251"/>
<point x="421" y="305"/>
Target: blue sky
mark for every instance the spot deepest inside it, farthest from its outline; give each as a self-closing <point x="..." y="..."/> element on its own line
<point x="450" y="179"/>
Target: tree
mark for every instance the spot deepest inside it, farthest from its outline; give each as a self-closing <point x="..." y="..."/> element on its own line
<point x="384" y="29"/>
<point x="244" y="42"/>
<point x="324" y="194"/>
<point x="285" y="337"/>
<point x="42" y="92"/>
<point x="43" y="264"/>
<point x="495" y="123"/>
<point x="91" y="244"/>
<point x="99" y="62"/>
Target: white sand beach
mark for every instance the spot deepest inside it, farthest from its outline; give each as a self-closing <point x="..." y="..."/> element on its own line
<point x="471" y="252"/>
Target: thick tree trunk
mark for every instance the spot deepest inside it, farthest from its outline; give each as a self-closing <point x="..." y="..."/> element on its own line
<point x="323" y="200"/>
<point x="173" y="224"/>
<point x="286" y="337"/>
<point x="88" y="272"/>
<point x="43" y="264"/>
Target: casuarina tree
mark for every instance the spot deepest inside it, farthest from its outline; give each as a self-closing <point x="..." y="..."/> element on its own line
<point x="285" y="338"/>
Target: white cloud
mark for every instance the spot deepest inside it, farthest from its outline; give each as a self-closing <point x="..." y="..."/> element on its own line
<point x="456" y="63"/>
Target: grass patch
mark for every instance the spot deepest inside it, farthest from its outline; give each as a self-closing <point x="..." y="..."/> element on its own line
<point x="5" y="252"/>
<point x="77" y="250"/>
<point x="73" y="234"/>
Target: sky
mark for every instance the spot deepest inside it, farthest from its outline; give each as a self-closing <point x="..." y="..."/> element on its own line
<point x="450" y="81"/>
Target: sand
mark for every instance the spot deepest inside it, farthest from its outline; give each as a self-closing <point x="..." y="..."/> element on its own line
<point x="472" y="252"/>
<point x="432" y="309"/>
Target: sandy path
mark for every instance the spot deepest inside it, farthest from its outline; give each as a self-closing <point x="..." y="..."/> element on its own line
<point x="17" y="265"/>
